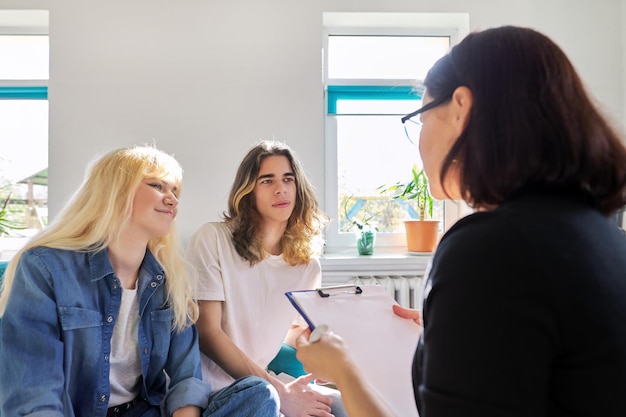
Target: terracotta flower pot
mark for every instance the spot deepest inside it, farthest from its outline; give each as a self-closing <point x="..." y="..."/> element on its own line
<point x="421" y="235"/>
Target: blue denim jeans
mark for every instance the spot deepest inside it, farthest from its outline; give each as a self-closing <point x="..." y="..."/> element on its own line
<point x="246" y="397"/>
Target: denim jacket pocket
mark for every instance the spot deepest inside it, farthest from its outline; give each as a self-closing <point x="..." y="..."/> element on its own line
<point x="82" y="334"/>
<point x="73" y="318"/>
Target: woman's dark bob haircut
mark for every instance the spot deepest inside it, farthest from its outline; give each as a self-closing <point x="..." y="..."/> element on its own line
<point x="532" y="124"/>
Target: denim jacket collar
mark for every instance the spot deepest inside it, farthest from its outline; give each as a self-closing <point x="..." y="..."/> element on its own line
<point x="101" y="267"/>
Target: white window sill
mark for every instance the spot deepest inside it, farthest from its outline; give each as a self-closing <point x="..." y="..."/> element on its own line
<point x="342" y="266"/>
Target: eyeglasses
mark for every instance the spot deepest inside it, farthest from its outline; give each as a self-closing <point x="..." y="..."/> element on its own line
<point x="413" y="128"/>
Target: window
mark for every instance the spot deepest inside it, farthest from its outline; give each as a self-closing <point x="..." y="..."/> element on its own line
<point x="24" y="52"/>
<point x="372" y="63"/>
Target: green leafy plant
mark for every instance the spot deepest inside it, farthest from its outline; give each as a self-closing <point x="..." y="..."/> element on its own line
<point x="415" y="190"/>
<point x="362" y="224"/>
<point x="6" y="224"/>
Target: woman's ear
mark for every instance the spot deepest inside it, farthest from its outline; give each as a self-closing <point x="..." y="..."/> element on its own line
<point x="462" y="101"/>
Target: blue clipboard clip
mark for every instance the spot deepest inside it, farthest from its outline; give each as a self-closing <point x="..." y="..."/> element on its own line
<point x="339" y="289"/>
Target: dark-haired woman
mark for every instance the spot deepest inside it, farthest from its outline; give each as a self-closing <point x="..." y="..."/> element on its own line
<point x="525" y="304"/>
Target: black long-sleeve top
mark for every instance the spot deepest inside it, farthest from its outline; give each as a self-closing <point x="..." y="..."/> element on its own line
<point x="525" y="314"/>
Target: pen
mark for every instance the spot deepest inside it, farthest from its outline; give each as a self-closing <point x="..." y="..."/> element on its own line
<point x="317" y="333"/>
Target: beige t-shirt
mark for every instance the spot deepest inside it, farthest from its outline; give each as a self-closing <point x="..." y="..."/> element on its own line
<point x="256" y="313"/>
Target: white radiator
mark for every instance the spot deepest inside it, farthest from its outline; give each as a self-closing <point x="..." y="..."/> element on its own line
<point x="406" y="290"/>
<point x="401" y="275"/>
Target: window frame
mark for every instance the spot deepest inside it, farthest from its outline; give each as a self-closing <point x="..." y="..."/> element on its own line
<point x="24" y="23"/>
<point x="454" y="26"/>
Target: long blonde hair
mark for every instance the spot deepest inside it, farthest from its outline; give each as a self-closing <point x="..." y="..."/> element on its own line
<point x="101" y="209"/>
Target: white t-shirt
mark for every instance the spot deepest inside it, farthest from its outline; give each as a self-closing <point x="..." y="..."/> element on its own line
<point x="256" y="313"/>
<point x="125" y="374"/>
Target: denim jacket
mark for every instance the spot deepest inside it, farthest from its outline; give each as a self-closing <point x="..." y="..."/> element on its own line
<point x="55" y="338"/>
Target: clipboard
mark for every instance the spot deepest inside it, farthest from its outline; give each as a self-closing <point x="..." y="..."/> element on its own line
<point x="382" y="344"/>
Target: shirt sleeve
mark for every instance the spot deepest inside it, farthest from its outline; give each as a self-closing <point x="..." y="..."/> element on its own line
<point x="314" y="270"/>
<point x="31" y="359"/>
<point x="204" y="259"/>
<point x="183" y="367"/>
<point x="316" y="273"/>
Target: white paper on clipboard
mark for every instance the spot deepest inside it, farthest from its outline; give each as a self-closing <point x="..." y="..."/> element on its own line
<point x="381" y="343"/>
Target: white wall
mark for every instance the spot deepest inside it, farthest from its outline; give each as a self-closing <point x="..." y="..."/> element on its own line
<point x="205" y="79"/>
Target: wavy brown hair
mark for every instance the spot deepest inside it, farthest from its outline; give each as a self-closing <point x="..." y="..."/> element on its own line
<point x="532" y="124"/>
<point x="303" y="236"/>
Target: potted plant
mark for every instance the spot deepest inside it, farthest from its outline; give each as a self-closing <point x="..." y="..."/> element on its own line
<point x="365" y="233"/>
<point x="421" y="233"/>
<point x="365" y="237"/>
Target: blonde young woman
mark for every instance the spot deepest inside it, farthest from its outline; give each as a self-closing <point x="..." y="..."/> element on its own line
<point x="97" y="308"/>
<point x="265" y="246"/>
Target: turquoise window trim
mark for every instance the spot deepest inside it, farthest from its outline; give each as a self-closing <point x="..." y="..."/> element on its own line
<point x="369" y="92"/>
<point x="24" y="93"/>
